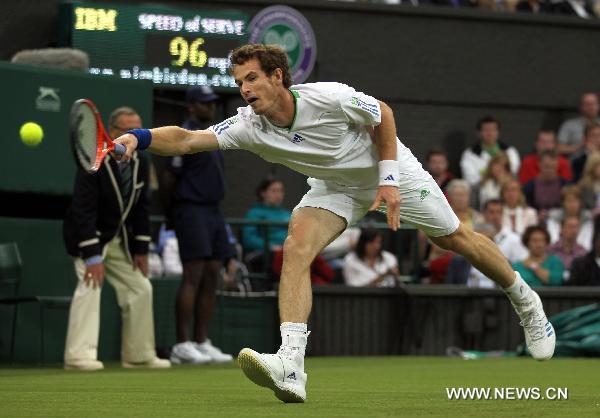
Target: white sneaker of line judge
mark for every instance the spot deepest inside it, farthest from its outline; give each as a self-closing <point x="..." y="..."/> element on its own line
<point x="215" y="353"/>
<point x="186" y="353"/>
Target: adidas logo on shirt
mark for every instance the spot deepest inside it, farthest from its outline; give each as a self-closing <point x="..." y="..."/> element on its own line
<point x="389" y="178"/>
<point x="297" y="138"/>
<point x="292" y="375"/>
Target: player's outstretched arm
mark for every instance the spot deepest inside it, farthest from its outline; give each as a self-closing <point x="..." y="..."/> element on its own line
<point x="168" y="141"/>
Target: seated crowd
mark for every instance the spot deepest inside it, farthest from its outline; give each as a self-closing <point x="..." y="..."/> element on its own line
<point x="541" y="211"/>
<point x="577" y="8"/>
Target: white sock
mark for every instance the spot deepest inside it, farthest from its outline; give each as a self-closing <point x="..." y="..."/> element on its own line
<point x="294" y="337"/>
<point x="519" y="293"/>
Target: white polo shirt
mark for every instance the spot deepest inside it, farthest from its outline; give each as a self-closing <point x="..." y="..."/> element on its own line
<point x="357" y="273"/>
<point x="328" y="138"/>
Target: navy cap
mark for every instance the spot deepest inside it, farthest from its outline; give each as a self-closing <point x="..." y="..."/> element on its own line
<point x="200" y="94"/>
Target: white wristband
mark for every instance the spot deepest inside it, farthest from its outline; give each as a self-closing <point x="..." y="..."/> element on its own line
<point x="389" y="171"/>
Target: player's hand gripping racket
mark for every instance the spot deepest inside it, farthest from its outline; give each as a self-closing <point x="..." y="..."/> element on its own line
<point x="89" y="140"/>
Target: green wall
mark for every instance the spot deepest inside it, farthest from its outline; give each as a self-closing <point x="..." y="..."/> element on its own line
<point x="45" y="96"/>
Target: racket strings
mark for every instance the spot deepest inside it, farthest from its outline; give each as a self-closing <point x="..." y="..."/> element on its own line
<point x="86" y="140"/>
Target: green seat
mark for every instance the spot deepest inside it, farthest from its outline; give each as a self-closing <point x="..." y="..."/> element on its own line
<point x="10" y="277"/>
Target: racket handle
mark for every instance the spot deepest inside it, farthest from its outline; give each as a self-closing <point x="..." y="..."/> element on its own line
<point x="120" y="149"/>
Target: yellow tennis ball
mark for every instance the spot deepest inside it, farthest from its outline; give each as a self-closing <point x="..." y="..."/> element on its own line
<point x="31" y="134"/>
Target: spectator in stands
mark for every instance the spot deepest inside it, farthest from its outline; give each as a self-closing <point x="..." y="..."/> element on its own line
<point x="437" y="166"/>
<point x="270" y="194"/>
<point x="571" y="206"/>
<point x="567" y="248"/>
<point x="202" y="236"/>
<point x="435" y="264"/>
<point x="585" y="271"/>
<point x="591" y="145"/>
<point x="436" y="260"/>
<point x="570" y="134"/>
<point x="451" y="3"/>
<point x="530" y="166"/>
<point x="579" y="8"/>
<point x="111" y="240"/>
<point x="497" y="173"/>
<point x="534" y="6"/>
<point x="369" y="265"/>
<point x="320" y="271"/>
<point x="509" y="243"/>
<point x="460" y="271"/>
<point x="335" y="252"/>
<point x="475" y="159"/>
<point x="543" y="191"/>
<point x="540" y="268"/>
<point x="517" y="216"/>
<point x="590" y="184"/>
<point x="459" y="192"/>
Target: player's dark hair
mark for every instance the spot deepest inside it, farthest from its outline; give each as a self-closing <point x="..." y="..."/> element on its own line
<point x="487" y="119"/>
<point x="532" y="230"/>
<point x="264" y="185"/>
<point x="270" y="58"/>
<point x="366" y="236"/>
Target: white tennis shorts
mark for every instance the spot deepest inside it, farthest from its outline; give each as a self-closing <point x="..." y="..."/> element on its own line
<point x="423" y="203"/>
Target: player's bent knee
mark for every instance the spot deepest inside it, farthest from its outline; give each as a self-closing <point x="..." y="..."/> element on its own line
<point x="457" y="241"/>
<point x="297" y="250"/>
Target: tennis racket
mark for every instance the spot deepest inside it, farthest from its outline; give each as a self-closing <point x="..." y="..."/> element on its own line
<point x="89" y="141"/>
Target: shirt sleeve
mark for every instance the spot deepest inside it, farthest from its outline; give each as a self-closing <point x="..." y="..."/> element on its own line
<point x="232" y="133"/>
<point x="390" y="260"/>
<point x="360" y="108"/>
<point x="564" y="133"/>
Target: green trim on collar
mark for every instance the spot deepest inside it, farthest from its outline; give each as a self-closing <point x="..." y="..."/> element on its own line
<point x="296" y="96"/>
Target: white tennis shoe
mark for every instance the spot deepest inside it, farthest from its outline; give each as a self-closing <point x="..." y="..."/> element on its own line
<point x="283" y="372"/>
<point x="186" y="353"/>
<point x="215" y="353"/>
<point x="539" y="333"/>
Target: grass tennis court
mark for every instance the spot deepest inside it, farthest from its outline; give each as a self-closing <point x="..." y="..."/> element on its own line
<point x="341" y="386"/>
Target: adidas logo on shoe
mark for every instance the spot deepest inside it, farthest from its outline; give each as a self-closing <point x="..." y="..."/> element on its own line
<point x="269" y="370"/>
<point x="549" y="330"/>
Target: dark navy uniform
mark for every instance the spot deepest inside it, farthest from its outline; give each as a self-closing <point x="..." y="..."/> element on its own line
<point x="198" y="220"/>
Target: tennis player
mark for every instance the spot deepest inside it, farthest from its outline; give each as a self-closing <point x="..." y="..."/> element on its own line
<point x="345" y="141"/>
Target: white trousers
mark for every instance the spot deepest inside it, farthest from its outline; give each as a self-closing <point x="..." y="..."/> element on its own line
<point x="134" y="295"/>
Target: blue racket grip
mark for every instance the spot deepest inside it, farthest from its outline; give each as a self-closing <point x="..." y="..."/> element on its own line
<point x="120" y="149"/>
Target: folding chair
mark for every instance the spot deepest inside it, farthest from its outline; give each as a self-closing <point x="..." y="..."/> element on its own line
<point x="10" y="276"/>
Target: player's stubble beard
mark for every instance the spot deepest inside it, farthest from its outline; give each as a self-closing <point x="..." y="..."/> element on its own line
<point x="277" y="106"/>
